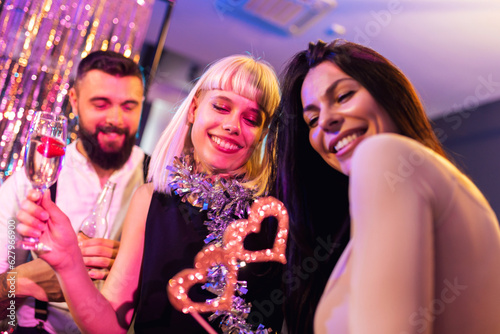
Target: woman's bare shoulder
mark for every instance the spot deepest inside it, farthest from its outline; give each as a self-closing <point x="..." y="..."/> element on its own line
<point x="145" y="191"/>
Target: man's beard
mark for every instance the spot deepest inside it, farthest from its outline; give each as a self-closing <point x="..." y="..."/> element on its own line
<point x="106" y="160"/>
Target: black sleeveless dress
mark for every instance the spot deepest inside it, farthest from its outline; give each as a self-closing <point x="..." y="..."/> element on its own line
<point x="174" y="235"/>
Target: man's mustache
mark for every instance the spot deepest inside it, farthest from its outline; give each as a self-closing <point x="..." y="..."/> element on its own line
<point x="108" y="128"/>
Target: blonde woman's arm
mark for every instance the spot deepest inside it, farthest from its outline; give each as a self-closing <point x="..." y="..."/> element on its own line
<point x="93" y="311"/>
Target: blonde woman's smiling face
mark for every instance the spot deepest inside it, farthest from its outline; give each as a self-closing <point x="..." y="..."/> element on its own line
<point x="226" y="128"/>
<point x="340" y="114"/>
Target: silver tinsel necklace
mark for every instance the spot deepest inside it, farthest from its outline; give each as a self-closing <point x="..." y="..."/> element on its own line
<point x="225" y="200"/>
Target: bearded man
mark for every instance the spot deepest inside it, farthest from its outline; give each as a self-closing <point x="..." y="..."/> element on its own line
<point x="107" y="98"/>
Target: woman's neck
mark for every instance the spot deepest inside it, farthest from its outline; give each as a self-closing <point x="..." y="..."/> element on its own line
<point x="200" y="167"/>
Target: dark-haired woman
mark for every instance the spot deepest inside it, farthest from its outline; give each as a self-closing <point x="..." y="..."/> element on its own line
<point x="423" y="246"/>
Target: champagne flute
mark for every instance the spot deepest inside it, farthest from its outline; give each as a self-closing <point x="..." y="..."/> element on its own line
<point x="43" y="158"/>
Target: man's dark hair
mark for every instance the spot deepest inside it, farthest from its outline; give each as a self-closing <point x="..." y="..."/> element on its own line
<point x="109" y="62"/>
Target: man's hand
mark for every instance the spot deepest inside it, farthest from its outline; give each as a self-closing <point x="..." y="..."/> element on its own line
<point x="37" y="279"/>
<point x="98" y="255"/>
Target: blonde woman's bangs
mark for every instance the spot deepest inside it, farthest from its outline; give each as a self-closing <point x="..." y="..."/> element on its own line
<point x="247" y="78"/>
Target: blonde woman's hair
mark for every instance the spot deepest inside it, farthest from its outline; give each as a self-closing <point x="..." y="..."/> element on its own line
<point x="244" y="75"/>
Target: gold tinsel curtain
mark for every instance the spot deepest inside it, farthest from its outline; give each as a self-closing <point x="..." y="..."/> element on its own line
<point x="41" y="43"/>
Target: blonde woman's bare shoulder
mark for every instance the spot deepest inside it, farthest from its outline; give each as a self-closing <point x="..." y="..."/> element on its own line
<point x="143" y="195"/>
<point x="139" y="207"/>
<point x="145" y="190"/>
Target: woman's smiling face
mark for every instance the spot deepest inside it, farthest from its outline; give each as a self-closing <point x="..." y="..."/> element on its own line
<point x="340" y="113"/>
<point x="226" y="128"/>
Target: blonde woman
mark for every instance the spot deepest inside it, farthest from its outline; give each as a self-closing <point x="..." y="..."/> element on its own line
<point x="215" y="138"/>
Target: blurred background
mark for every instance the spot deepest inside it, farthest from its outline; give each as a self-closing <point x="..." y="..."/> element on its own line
<point x="449" y="49"/>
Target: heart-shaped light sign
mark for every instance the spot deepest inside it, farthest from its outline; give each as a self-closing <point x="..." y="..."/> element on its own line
<point x="237" y="232"/>
<point x="229" y="255"/>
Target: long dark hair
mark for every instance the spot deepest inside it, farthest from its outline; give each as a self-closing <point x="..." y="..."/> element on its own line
<point x="301" y="177"/>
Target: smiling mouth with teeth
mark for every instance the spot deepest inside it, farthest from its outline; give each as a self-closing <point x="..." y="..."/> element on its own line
<point x="224" y="144"/>
<point x="347" y="140"/>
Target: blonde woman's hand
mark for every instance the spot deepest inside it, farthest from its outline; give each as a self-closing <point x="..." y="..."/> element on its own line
<point x="52" y="226"/>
